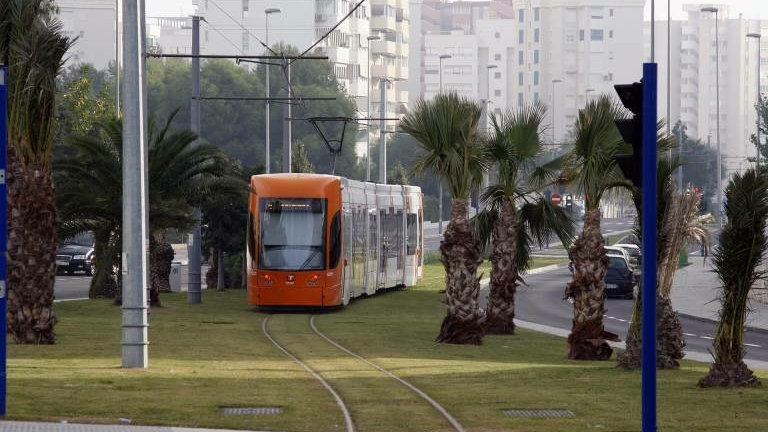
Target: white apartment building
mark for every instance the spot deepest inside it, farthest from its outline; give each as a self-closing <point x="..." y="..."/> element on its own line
<point x="93" y="23"/>
<point x="561" y="53"/>
<point x="695" y="83"/>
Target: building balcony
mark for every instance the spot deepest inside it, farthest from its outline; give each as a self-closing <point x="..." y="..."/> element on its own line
<point x="384" y="47"/>
<point x="383" y="23"/>
<point x="384" y="71"/>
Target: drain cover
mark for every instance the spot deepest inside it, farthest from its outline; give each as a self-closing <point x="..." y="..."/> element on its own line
<point x="537" y="413"/>
<point x="252" y="411"/>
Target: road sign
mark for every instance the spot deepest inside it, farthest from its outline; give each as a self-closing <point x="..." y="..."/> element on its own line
<point x="556" y="198"/>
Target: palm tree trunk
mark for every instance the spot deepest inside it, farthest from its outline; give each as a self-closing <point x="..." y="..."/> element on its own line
<point x="460" y="252"/>
<point x="588" y="338"/>
<point x="669" y="332"/>
<point x="504" y="275"/>
<point x="220" y="271"/>
<point x="161" y="259"/>
<point x="104" y="281"/>
<point x="729" y="369"/>
<point x="31" y="252"/>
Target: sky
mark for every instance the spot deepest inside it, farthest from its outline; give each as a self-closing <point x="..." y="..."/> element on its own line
<point x="752" y="9"/>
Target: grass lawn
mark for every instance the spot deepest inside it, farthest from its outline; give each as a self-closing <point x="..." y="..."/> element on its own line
<point x="214" y="355"/>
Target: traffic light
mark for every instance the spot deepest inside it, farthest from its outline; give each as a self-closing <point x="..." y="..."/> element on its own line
<point x="631" y="129"/>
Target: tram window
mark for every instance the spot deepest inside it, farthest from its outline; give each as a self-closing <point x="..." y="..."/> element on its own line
<point x="291" y="234"/>
<point x="335" y="241"/>
<point x="411" y="238"/>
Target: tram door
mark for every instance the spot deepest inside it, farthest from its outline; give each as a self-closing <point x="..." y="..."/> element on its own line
<point x="372" y="241"/>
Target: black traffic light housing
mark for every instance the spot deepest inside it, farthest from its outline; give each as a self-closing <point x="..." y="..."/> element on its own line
<point x="631" y="129"/>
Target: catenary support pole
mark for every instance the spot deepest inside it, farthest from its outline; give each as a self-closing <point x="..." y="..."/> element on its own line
<point x="194" y="250"/>
<point x="134" y="267"/>
<point x="382" y="134"/>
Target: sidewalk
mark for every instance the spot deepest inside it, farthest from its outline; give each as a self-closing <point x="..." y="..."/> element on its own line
<point x="18" y="426"/>
<point x="695" y="293"/>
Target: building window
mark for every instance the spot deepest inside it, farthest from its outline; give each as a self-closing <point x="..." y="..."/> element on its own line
<point x="521" y="36"/>
<point x="535" y="14"/>
<point x="581" y="35"/>
<point x="536" y="35"/>
<point x="497" y="35"/>
<point x="536" y="97"/>
<point x="497" y="57"/>
<point x="596" y="34"/>
<point x="519" y="100"/>
<point x="535" y="77"/>
<point x="519" y="57"/>
<point x="610" y="12"/>
<point x="519" y="78"/>
<point x="245" y="41"/>
<point x="497" y="75"/>
<point x="497" y="93"/>
<point x="245" y="8"/>
<point x="535" y="56"/>
<point x="610" y="34"/>
<point x="521" y="15"/>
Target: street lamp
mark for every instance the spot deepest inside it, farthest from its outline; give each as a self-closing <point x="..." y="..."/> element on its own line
<point x="488" y="94"/>
<point x="554" y="119"/>
<point x="440" y="181"/>
<point x="717" y="111"/>
<point x="757" y="119"/>
<point x="368" y="121"/>
<point x="586" y="94"/>
<point x="267" y="13"/>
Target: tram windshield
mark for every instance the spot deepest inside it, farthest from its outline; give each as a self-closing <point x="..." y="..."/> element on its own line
<point x="291" y="235"/>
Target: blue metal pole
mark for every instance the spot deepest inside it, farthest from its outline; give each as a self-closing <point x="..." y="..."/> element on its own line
<point x="648" y="228"/>
<point x="3" y="232"/>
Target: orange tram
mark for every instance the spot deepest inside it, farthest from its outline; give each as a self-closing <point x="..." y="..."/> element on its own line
<point x="320" y="240"/>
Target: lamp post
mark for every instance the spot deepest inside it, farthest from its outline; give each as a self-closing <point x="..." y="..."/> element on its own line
<point x="586" y="95"/>
<point x="554" y="119"/>
<point x="368" y="120"/>
<point x="717" y="111"/>
<point x="267" y="13"/>
<point x="757" y="117"/>
<point x="488" y="95"/>
<point x="440" y="181"/>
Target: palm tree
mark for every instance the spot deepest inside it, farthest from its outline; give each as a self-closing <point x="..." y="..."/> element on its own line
<point x="591" y="167"/>
<point x="179" y="174"/>
<point x="32" y="44"/>
<point x="742" y="248"/>
<point x="677" y="224"/>
<point x="446" y="127"/>
<point x="515" y="147"/>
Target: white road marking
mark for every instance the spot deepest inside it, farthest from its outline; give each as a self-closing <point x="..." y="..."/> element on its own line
<point x="707" y="337"/>
<point x="689" y="334"/>
<point x="753" y="345"/>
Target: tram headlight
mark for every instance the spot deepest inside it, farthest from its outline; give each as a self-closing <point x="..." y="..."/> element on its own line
<point x="267" y="280"/>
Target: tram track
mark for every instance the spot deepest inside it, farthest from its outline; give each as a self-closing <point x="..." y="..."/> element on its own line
<point x="336" y="391"/>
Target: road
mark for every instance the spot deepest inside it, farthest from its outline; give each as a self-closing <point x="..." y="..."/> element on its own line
<point x="608" y="226"/>
<point x="542" y="303"/>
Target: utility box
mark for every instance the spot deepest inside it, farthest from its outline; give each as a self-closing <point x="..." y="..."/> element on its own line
<point x="174" y="279"/>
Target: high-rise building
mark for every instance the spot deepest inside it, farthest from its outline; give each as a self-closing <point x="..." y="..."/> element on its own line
<point x="93" y="23"/>
<point x="694" y="82"/>
<point x="562" y="54"/>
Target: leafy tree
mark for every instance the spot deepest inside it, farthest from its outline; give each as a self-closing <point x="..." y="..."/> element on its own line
<point x="742" y="248"/>
<point x="762" y="125"/>
<point x="300" y="160"/>
<point x="699" y="162"/>
<point x="514" y="147"/>
<point x="446" y="127"/>
<point x="32" y="44"/>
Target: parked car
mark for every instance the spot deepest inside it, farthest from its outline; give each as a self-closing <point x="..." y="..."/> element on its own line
<point x="633" y="251"/>
<point x="620" y="280"/>
<point x="71" y="258"/>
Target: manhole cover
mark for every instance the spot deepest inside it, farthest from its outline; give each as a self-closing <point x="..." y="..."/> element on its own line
<point x="537" y="413"/>
<point x="252" y="411"/>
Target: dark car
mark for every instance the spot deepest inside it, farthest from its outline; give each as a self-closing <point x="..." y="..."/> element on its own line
<point x="620" y="280"/>
<point x="71" y="258"/>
